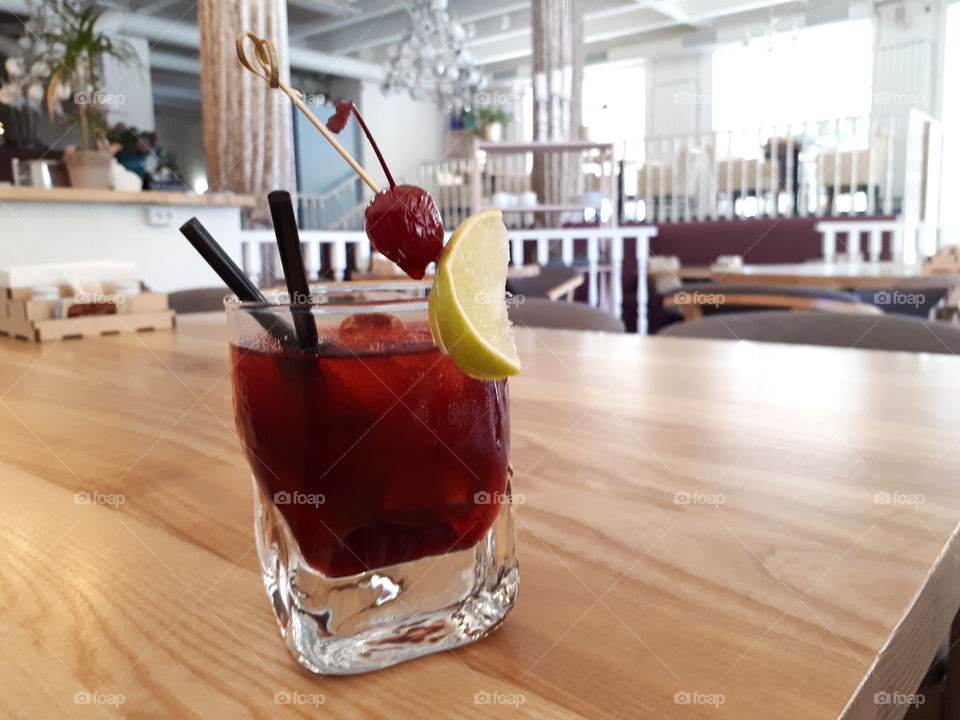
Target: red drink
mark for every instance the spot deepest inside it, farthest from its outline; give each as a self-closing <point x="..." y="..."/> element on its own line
<point x="376" y="451"/>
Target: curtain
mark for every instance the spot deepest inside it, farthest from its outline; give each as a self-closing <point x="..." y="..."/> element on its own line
<point x="247" y="127"/>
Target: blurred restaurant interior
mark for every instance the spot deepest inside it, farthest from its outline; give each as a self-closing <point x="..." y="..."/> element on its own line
<point x="734" y="282"/>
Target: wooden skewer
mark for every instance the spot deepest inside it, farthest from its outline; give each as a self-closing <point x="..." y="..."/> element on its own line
<point x="266" y="55"/>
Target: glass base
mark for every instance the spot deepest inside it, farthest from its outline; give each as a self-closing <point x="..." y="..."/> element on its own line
<point x="374" y="619"/>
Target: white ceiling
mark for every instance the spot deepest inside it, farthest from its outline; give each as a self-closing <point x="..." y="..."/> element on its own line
<point x="352" y="37"/>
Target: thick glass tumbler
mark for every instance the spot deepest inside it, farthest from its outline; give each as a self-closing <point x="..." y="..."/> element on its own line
<point x="383" y="512"/>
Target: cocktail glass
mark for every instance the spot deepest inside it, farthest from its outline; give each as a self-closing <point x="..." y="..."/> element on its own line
<point x="383" y="511"/>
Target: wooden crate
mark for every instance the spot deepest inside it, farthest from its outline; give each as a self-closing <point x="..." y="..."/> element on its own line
<point x="23" y="318"/>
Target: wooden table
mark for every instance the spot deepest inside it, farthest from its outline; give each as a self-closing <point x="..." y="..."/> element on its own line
<point x="684" y="272"/>
<point x="852" y="276"/>
<point x="770" y="529"/>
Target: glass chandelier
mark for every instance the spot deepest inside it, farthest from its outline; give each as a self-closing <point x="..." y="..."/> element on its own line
<point x="432" y="61"/>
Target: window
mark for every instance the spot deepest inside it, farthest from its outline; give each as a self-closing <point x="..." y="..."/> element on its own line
<point x="950" y="187"/>
<point x="614" y="102"/>
<point x="814" y="73"/>
<point x="614" y="110"/>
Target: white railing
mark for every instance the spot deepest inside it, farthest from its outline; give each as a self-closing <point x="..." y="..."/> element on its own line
<point x="328" y="252"/>
<point x="840" y="166"/>
<point x="448" y="182"/>
<point x="340" y="208"/>
<point x="863" y="239"/>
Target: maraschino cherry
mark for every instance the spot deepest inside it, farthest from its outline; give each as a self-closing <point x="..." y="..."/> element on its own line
<point x="402" y="222"/>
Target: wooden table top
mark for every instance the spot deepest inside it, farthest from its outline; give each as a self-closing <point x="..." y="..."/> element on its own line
<point x="709" y="529"/>
<point x="20" y="193"/>
<point x="865" y="275"/>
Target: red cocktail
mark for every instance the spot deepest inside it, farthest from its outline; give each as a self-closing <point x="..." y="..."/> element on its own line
<point x="373" y="458"/>
<point x="384" y="522"/>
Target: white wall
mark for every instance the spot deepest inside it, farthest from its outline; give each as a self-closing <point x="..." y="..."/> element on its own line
<point x="908" y="47"/>
<point x="66" y="232"/>
<point x="409" y="133"/>
<point x="182" y="133"/>
<point x="907" y="69"/>
<point x="131" y="86"/>
<point x="679" y="90"/>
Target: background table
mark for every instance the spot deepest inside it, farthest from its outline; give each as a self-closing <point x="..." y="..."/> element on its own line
<point x="770" y="528"/>
<point x="853" y="276"/>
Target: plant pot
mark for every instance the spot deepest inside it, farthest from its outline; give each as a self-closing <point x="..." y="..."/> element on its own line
<point x="90" y="168"/>
<point x="493" y="132"/>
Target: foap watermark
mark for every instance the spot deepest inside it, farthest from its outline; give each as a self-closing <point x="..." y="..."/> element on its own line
<point x="899" y="698"/>
<point x="483" y="697"/>
<point x="87" y="697"/>
<point x="298" y="498"/>
<point x="886" y="497"/>
<point x="898" y="297"/>
<point x="99" y="97"/>
<point x="699" y="298"/>
<point x="692" y="98"/>
<point x="290" y="697"/>
<point x="87" y="497"/>
<point x="898" y="98"/>
<point x="497" y="498"/>
<point x="484" y="298"/>
<point x="686" y="497"/>
<point x="685" y="697"/>
<point x="496" y="97"/>
<point x="99" y="298"/>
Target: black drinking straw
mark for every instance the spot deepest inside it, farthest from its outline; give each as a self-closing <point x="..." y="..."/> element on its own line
<point x="224" y="266"/>
<point x="291" y="259"/>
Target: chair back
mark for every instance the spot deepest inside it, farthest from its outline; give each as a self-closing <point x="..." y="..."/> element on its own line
<point x="865" y="332"/>
<point x="541" y="313"/>
<point x="198" y="300"/>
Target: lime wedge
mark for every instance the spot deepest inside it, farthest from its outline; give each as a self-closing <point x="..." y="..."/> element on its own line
<point x="468" y="305"/>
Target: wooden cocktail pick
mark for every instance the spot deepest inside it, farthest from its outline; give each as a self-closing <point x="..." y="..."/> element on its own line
<point x="268" y="68"/>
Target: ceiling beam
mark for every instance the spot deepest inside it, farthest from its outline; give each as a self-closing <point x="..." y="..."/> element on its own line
<point x="492" y="35"/>
<point x="172" y="92"/>
<point x="613" y="24"/>
<point x="676" y="10"/>
<point x="173" y="62"/>
<point x="380" y="32"/>
<point x="151" y="8"/>
<point x="337" y="8"/>
<point x="185" y="35"/>
<point x="384" y="7"/>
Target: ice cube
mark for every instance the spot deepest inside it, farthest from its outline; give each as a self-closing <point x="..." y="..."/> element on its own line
<point x="366" y="333"/>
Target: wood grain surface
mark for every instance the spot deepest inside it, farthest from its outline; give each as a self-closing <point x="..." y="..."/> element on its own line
<point x="709" y="529"/>
<point x="856" y="276"/>
<point x="20" y="193"/>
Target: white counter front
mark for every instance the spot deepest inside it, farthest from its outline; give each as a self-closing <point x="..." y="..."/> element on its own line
<point x="68" y="224"/>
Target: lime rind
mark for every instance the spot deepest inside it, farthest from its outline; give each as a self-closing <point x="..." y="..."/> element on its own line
<point x="467" y="305"/>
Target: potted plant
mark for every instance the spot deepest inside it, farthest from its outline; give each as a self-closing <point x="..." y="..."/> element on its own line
<point x="23" y="79"/>
<point x="490" y="122"/>
<point x="135" y="146"/>
<point x="75" y="52"/>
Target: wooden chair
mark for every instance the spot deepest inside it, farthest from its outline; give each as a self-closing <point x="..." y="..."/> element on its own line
<point x="696" y="300"/>
<point x="835" y="169"/>
<point x="552" y="282"/>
